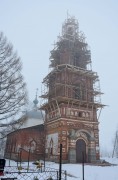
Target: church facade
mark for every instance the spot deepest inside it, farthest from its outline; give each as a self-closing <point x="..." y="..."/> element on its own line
<point x="72" y="99"/>
<point x="25" y="144"/>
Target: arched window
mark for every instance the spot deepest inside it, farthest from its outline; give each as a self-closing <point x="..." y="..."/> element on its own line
<point x="51" y="146"/>
<point x="87" y="114"/>
<point x="33" y="145"/>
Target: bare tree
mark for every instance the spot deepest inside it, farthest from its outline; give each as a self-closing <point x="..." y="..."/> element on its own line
<point x="13" y="94"/>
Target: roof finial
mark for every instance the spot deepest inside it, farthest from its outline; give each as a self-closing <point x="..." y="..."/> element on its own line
<point x="36" y="100"/>
<point x="37" y="91"/>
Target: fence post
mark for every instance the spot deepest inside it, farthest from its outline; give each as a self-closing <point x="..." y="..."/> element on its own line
<point x="65" y="175"/>
<point x="9" y="158"/>
<point x="41" y="169"/>
<point x="17" y="159"/>
<point x="60" y="162"/>
<point x="57" y="175"/>
<point x="20" y="156"/>
<point x="28" y="160"/>
<point x="83" y="164"/>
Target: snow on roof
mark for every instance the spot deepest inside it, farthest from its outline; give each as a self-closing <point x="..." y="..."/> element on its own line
<point x="34" y="114"/>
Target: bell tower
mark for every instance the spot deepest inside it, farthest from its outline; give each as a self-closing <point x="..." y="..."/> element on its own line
<point x="71" y="98"/>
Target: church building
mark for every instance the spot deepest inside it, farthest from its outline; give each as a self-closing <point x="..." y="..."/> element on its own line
<point x="71" y="104"/>
<point x="71" y="99"/>
<point x="26" y="141"/>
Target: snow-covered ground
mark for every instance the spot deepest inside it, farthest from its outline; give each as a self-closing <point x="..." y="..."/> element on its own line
<point x="92" y="172"/>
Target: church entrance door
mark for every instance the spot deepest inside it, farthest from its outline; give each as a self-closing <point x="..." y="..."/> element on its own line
<point x="80" y="151"/>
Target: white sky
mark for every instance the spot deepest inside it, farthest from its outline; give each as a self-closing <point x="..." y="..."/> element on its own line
<point x="32" y="26"/>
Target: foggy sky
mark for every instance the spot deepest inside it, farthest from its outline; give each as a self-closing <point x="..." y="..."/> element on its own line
<point x="32" y="26"/>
